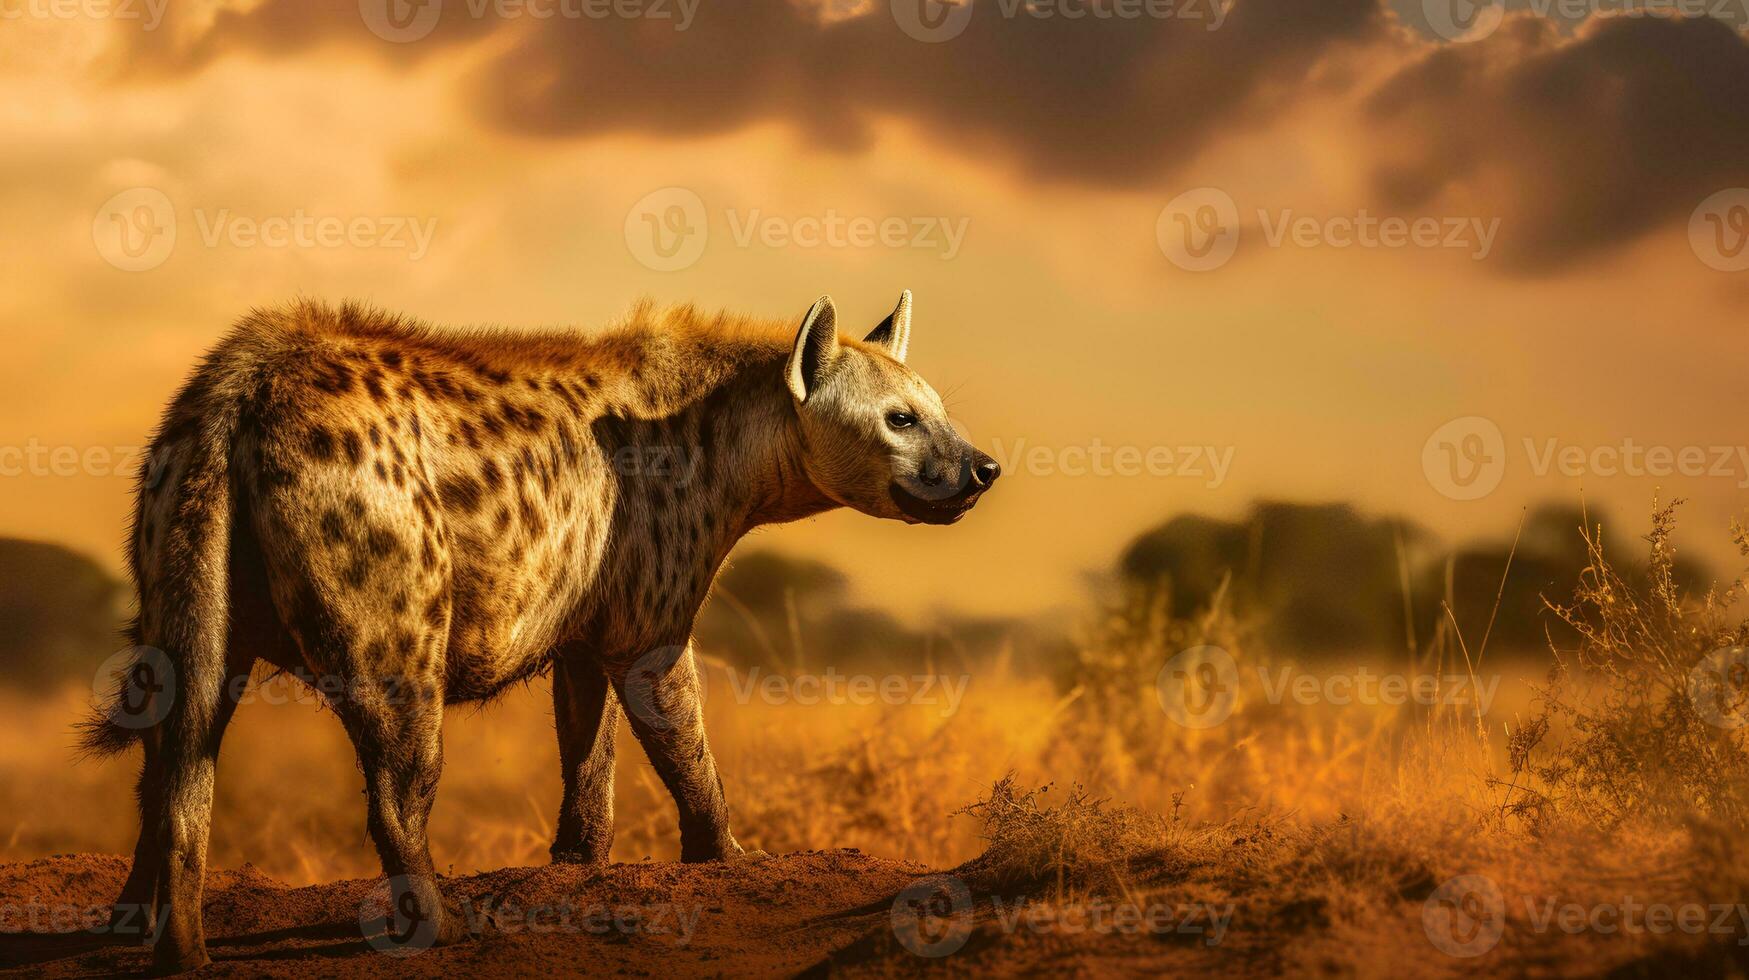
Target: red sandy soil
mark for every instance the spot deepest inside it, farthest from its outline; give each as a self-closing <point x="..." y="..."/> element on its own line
<point x="815" y="912"/>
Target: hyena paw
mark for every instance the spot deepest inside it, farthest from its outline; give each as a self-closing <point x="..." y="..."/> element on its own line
<point x="591" y="858"/>
<point x="727" y="851"/>
<point x="453" y="927"/>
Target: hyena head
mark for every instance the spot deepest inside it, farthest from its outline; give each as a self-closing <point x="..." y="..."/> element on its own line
<point x="874" y="434"/>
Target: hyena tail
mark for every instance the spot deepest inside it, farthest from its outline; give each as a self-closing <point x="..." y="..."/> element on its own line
<point x="102" y="733"/>
<point x="179" y="553"/>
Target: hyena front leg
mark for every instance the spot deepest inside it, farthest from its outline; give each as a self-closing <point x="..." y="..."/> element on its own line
<point x="661" y="696"/>
<point x="587" y="715"/>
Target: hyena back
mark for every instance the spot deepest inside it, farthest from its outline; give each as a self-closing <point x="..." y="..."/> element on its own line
<point x="424" y="518"/>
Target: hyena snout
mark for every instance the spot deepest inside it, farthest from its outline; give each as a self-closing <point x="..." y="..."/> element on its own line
<point x="974" y="471"/>
<point x="944" y="490"/>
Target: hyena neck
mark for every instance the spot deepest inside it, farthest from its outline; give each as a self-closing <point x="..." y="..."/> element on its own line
<point x="731" y="449"/>
<point x="703" y="446"/>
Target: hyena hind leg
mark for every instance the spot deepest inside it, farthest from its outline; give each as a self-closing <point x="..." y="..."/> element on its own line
<point x="253" y="632"/>
<point x="397" y="729"/>
<point x="132" y="917"/>
<point x="587" y="716"/>
<point x="176" y="817"/>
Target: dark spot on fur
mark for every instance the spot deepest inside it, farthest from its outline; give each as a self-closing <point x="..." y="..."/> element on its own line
<point x="380" y="542"/>
<point x="461" y="492"/>
<point x="337" y="379"/>
<point x="354" y="447"/>
<point x="320" y="443"/>
<point x="493" y="426"/>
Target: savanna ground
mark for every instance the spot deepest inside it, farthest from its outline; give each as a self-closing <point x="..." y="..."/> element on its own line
<point x="1181" y="800"/>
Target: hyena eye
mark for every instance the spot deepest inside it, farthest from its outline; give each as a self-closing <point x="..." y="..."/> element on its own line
<point x="901" y="420"/>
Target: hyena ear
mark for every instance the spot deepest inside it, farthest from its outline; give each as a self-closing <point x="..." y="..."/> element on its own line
<point x="816" y="346"/>
<point x="894" y="333"/>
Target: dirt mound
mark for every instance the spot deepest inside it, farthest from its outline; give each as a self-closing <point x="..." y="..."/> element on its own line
<point x="781" y="915"/>
<point x="813" y="913"/>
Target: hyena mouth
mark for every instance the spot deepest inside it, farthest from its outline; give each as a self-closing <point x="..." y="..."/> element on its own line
<point x="945" y="510"/>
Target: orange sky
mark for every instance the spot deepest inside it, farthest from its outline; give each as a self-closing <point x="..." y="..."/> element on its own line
<point x="502" y="169"/>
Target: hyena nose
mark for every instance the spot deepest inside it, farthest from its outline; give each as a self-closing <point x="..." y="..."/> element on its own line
<point x="985" y="471"/>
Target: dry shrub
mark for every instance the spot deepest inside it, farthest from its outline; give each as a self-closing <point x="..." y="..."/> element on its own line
<point x="1629" y="730"/>
<point x="1080" y="845"/>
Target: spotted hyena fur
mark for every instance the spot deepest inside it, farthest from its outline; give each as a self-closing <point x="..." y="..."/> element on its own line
<point x="416" y="518"/>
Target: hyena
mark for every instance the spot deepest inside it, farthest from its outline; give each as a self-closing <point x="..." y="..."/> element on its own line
<point x="416" y="518"/>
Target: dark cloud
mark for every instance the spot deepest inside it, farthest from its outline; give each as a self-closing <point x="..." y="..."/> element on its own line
<point x="1107" y="100"/>
<point x="1577" y="140"/>
<point x="1099" y="100"/>
<point x="1578" y="144"/>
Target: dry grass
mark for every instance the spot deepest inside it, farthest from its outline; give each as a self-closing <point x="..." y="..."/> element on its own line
<point x="1326" y="825"/>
